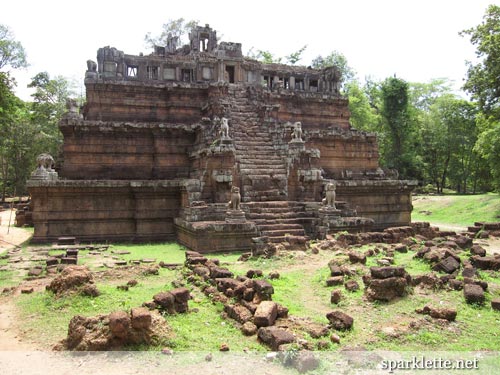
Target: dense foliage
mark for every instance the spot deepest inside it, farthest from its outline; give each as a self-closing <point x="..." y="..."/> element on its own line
<point x="26" y="128"/>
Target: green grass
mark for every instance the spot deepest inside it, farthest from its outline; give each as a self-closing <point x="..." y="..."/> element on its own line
<point x="206" y="330"/>
<point x="166" y="252"/>
<point x="461" y="210"/>
<point x="301" y="288"/>
<point x="44" y="312"/>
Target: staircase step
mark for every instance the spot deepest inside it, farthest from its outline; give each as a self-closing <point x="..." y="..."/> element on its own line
<point x="273" y="210"/>
<point x="274" y="227"/>
<point x="283" y="232"/>
<point x="270" y="216"/>
<point x="279" y="239"/>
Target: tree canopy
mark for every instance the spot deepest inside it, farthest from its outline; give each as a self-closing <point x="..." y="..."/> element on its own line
<point x="11" y="51"/>
<point x="483" y="81"/>
<point x="179" y="28"/>
<point x="337" y="59"/>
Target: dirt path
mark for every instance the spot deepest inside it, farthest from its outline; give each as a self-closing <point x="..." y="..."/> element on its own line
<point x="10" y="236"/>
<point x="9" y="339"/>
<point x="455" y="228"/>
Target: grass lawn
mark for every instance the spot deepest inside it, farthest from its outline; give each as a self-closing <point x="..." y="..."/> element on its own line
<point x="462" y="210"/>
<point x="301" y="287"/>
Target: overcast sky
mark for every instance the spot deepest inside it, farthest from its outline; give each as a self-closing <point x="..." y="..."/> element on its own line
<point x="416" y="40"/>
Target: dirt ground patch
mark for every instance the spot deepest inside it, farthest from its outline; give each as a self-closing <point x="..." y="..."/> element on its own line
<point x="10" y="236"/>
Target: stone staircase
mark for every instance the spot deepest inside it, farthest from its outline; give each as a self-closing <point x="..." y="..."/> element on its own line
<point x="279" y="221"/>
<point x="263" y="172"/>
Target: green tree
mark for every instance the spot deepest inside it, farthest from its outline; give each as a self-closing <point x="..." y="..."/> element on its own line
<point x="264" y="56"/>
<point x="482" y="78"/>
<point x="179" y="28"/>
<point x="448" y="136"/>
<point x="400" y="148"/>
<point x="294" y="57"/>
<point x="9" y="108"/>
<point x="488" y="144"/>
<point x="47" y="108"/>
<point x="463" y="136"/>
<point x="337" y="59"/>
<point x="11" y="51"/>
<point x="363" y="115"/>
<point x="423" y="95"/>
<point x="12" y="55"/>
<point x="484" y="86"/>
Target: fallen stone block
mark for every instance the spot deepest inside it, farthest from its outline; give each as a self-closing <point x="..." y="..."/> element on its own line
<point x="447" y="265"/>
<point x="336" y="296"/>
<point x="495" y="304"/>
<point x="119" y="322"/>
<point x="339" y="320"/>
<point x="274" y="337"/>
<point x="335" y="280"/>
<point x="355" y="257"/>
<point x="486" y="262"/>
<point x="386" y="272"/>
<point x="239" y="313"/>
<point x="140" y="318"/>
<point x="478" y="250"/>
<point x="473" y="293"/>
<point x="387" y="289"/>
<point x="220" y="272"/>
<point x="249" y="329"/>
<point x="351" y="286"/>
<point x="439" y="313"/>
<point x="266" y="314"/>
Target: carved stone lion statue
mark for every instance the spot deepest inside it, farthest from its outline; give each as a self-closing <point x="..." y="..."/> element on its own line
<point x="91" y="66"/>
<point x="330" y="195"/>
<point x="72" y="106"/>
<point x="224" y="128"/>
<point x="234" y="203"/>
<point x="297" y="132"/>
<point x="45" y="161"/>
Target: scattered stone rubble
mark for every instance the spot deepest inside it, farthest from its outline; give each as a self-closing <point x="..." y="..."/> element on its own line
<point x="386" y="283"/>
<point x="115" y="331"/>
<point x="174" y="301"/>
<point x="74" y="279"/>
<point x="247" y="300"/>
<point x="439" y="313"/>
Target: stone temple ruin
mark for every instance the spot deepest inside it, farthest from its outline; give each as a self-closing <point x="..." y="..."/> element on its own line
<point x="165" y="141"/>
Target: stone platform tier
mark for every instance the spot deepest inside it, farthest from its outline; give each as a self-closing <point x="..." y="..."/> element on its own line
<point x="278" y="220"/>
<point x="263" y="172"/>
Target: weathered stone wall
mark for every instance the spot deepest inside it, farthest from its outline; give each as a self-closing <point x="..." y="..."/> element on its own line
<point x="154" y="102"/>
<point x="314" y="110"/>
<point x="387" y="202"/>
<point x="128" y="151"/>
<point x="105" y="210"/>
<point x="215" y="236"/>
<point x="345" y="153"/>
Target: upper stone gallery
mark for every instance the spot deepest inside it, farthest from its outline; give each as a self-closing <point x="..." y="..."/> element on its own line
<point x="165" y="141"/>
